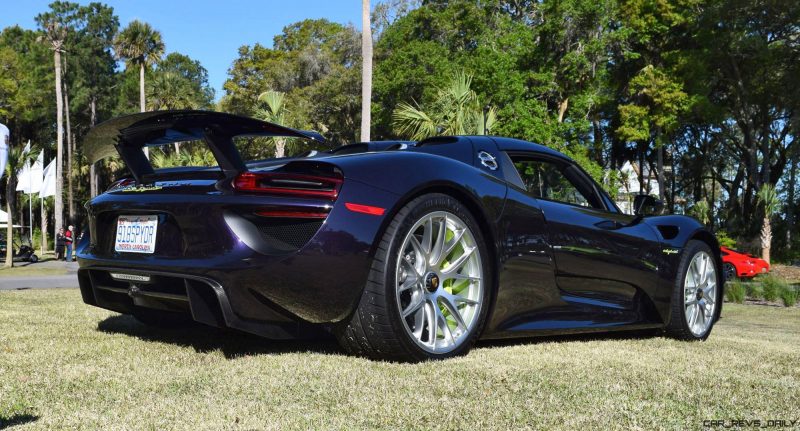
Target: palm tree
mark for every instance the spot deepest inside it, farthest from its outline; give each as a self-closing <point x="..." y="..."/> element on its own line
<point x="139" y="45"/>
<point x="169" y="90"/>
<point x="768" y="197"/>
<point x="455" y="111"/>
<point x="700" y="211"/>
<point x="17" y="157"/>
<point x="274" y="110"/>
<point x="366" y="71"/>
<point x="55" y="32"/>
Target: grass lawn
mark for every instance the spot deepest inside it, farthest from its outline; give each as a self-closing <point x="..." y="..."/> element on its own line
<point x="31" y="271"/>
<point x="47" y="265"/>
<point x="66" y="365"/>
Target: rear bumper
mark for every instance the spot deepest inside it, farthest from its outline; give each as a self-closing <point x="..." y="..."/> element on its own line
<point x="202" y="298"/>
<point x="246" y="289"/>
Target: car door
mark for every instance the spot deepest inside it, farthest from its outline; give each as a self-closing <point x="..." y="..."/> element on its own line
<point x="603" y="258"/>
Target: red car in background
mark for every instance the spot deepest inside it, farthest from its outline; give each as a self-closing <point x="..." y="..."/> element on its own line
<point x="742" y="265"/>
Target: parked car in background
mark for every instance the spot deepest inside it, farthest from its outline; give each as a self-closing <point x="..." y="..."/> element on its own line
<point x="737" y="264"/>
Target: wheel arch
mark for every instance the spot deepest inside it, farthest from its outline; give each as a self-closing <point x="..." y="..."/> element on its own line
<point x="707" y="237"/>
<point x="472" y="202"/>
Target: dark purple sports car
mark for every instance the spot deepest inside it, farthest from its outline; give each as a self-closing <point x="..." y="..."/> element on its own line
<point x="403" y="250"/>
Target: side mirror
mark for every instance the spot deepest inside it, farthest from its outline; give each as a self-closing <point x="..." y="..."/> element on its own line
<point x="647" y="205"/>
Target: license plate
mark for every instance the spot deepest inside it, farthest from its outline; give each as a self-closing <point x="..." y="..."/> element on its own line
<point x="136" y="234"/>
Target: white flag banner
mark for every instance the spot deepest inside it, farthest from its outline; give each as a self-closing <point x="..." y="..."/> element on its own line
<point x="24" y="179"/>
<point x="49" y="182"/>
<point x="24" y="174"/>
<point x="5" y="137"/>
<point x="37" y="174"/>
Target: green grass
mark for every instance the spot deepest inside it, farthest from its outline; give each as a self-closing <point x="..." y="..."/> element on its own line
<point x="789" y="296"/>
<point x="32" y="270"/>
<point x="772" y="287"/>
<point x="735" y="291"/>
<point x="64" y="365"/>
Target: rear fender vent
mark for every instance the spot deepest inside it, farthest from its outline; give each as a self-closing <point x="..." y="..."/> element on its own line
<point x="287" y="234"/>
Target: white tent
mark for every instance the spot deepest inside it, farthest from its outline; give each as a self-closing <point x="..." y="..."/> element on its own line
<point x="4" y="220"/>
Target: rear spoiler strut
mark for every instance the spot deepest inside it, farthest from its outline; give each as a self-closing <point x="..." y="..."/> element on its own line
<point x="128" y="135"/>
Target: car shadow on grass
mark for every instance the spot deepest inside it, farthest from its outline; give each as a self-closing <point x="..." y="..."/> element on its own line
<point x="205" y="339"/>
<point x="234" y="344"/>
<point x="16" y="419"/>
<point x="640" y="334"/>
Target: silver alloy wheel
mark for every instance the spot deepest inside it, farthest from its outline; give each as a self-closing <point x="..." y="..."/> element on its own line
<point x="439" y="282"/>
<point x="700" y="293"/>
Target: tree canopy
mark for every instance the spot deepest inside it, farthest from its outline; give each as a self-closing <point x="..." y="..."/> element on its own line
<point x="698" y="95"/>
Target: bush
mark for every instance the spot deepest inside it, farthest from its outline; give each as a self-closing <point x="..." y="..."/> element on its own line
<point x="735" y="292"/>
<point x="754" y="291"/>
<point x="789" y="296"/>
<point x="772" y="287"/>
<point x="725" y="240"/>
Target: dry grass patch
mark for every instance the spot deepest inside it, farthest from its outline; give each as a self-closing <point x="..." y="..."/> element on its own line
<point x="67" y="365"/>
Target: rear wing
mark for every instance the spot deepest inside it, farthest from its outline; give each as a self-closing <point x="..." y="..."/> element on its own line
<point x="128" y="135"/>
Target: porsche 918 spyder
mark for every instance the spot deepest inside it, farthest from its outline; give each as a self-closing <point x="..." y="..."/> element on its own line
<point x="403" y="250"/>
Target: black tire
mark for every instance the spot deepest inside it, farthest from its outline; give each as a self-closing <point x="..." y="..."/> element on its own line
<point x="160" y="318"/>
<point x="730" y="272"/>
<point x="678" y="326"/>
<point x="34" y="258"/>
<point x="375" y="329"/>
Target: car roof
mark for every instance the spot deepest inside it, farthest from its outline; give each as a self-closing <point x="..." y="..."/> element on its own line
<point x="512" y="144"/>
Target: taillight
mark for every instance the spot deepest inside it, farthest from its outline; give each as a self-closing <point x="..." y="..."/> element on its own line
<point x="310" y="213"/>
<point x="289" y="184"/>
<point x="125" y="182"/>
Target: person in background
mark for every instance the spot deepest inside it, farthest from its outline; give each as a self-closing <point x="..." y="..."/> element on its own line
<point x="68" y="237"/>
<point x="60" y="242"/>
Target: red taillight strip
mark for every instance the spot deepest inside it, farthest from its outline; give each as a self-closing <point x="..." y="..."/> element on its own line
<point x="291" y="184"/>
<point x="292" y="214"/>
<point x="365" y="209"/>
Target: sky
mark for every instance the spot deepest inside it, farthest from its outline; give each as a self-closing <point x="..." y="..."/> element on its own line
<point x="206" y="30"/>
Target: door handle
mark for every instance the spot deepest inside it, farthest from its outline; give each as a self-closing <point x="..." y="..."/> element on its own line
<point x="609" y="225"/>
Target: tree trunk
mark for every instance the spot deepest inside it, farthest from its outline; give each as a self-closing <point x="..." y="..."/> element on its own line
<point x="93" y="166"/>
<point x="11" y="185"/>
<point x="142" y="106"/>
<point x="44" y="228"/>
<point x="366" y="71"/>
<point x="562" y="109"/>
<point x="791" y="196"/>
<point x="713" y="195"/>
<point x="280" y="147"/>
<point x="766" y="239"/>
<point x="9" y="231"/>
<point x="660" y="173"/>
<point x="59" y="205"/>
<point x="641" y="168"/>
<point x="597" y="144"/>
<point x="70" y="149"/>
